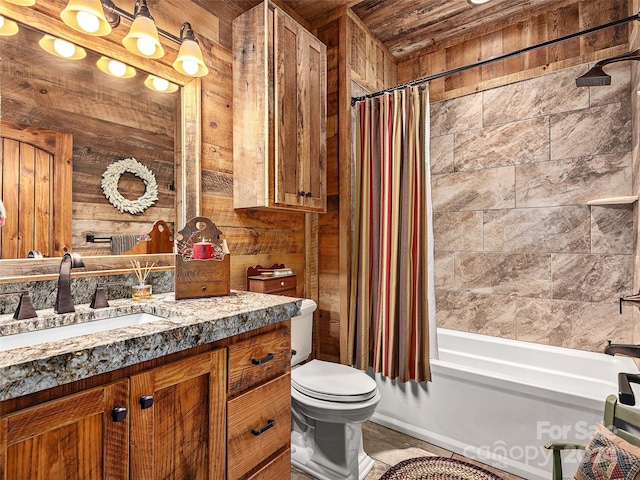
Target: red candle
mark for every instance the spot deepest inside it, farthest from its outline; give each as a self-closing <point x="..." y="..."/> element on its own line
<point x="202" y="250"/>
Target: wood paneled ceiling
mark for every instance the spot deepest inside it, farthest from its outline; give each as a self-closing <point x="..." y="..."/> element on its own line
<point x="411" y="27"/>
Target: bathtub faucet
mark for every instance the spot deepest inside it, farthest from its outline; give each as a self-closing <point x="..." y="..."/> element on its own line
<point x="622" y="349"/>
<point x="625" y="394"/>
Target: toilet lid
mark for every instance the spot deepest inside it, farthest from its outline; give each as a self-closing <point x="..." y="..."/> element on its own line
<point x="332" y="382"/>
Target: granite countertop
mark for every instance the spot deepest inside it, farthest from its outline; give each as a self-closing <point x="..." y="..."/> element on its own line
<point x="184" y="324"/>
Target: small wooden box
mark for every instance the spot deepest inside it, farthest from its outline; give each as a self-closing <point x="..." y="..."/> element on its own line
<point x="195" y="277"/>
<point x="202" y="278"/>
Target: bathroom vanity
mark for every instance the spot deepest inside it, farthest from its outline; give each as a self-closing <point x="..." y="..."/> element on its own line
<point x="199" y="389"/>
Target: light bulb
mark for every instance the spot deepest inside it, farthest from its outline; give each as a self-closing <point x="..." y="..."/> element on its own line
<point x="160" y="84"/>
<point x="117" y="69"/>
<point x="190" y="66"/>
<point x="146" y="46"/>
<point x="64" y="48"/>
<point x="88" y="21"/>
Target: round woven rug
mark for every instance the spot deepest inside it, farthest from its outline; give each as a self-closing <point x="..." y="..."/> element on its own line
<point x="437" y="468"/>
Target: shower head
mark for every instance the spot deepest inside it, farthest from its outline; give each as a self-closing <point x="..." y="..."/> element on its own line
<point x="597" y="77"/>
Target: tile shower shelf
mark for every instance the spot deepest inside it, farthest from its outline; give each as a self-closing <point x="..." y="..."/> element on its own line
<point x="614" y="200"/>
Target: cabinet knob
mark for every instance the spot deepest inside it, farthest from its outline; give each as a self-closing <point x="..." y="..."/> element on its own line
<point x="146" y="401"/>
<point x="282" y="284"/>
<point x="263" y="360"/>
<point x="260" y="431"/>
<point x="308" y="195"/>
<point x="119" y="414"/>
<point x="301" y="193"/>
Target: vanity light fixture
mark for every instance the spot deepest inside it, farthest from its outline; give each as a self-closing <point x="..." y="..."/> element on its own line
<point x="161" y="85"/>
<point x="142" y="38"/>
<point x="61" y="48"/>
<point x="86" y="16"/>
<point x="23" y="3"/>
<point x="478" y="2"/>
<point x="190" y="61"/>
<point x="115" y="68"/>
<point x="7" y="27"/>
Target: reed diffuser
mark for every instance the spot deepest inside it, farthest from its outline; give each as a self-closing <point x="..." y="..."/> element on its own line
<point x="141" y="291"/>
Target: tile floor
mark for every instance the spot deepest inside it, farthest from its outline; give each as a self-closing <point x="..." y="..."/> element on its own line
<point x="388" y="447"/>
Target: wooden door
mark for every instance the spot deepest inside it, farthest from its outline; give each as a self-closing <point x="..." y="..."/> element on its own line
<point x="72" y="438"/>
<point x="178" y="420"/>
<point x="35" y="187"/>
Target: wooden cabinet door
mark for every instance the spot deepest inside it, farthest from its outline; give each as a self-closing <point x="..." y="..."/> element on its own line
<point x="178" y="415"/>
<point x="75" y="437"/>
<point x="299" y="115"/>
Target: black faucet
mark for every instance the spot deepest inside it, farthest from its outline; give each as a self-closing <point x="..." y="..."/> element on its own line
<point x="64" y="300"/>
<point x="622" y="349"/>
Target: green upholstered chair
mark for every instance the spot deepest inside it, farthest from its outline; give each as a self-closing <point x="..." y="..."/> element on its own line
<point x="617" y="418"/>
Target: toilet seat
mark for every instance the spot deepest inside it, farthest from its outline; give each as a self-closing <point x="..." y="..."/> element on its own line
<point x="333" y="382"/>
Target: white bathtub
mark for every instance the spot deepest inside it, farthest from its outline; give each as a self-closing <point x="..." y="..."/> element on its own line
<point x="499" y="401"/>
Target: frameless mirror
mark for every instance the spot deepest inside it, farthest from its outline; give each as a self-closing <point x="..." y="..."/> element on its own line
<point x="109" y="119"/>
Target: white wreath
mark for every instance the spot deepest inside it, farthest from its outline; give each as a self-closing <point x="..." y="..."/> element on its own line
<point x="111" y="177"/>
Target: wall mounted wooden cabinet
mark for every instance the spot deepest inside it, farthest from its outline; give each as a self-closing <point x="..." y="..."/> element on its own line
<point x="279" y="113"/>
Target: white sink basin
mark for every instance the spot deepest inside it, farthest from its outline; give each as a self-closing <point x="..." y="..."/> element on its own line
<point x="9" y="342"/>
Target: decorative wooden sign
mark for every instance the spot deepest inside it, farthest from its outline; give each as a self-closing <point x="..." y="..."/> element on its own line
<point x="202" y="261"/>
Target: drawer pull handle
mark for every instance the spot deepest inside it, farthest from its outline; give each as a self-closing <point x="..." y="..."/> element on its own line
<point x="270" y="423"/>
<point x="263" y="360"/>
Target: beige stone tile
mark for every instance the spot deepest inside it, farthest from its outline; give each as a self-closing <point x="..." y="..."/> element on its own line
<point x="456" y="115"/>
<point x="480" y="190"/>
<point x="619" y="89"/>
<point x="391" y="447"/>
<point x="573" y="182"/>
<point x="594" y="131"/>
<point x="443" y="265"/>
<point x="477" y="313"/>
<point x="591" y="278"/>
<point x="526" y="141"/>
<point x="547" y="229"/>
<point x="377" y="471"/>
<point x="537" y="97"/>
<point x="612" y="229"/>
<point x="521" y="274"/>
<point x="572" y="324"/>
<point x="460" y="231"/>
<point x="441" y="151"/>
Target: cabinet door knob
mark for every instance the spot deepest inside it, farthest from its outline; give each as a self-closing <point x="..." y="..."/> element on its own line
<point x="263" y="360"/>
<point x="282" y="284"/>
<point x="301" y="193"/>
<point x="146" y="401"/>
<point x="260" y="431"/>
<point x="308" y="195"/>
<point x="119" y="414"/>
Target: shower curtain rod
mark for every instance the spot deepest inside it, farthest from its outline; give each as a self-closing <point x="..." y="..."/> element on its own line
<point x="480" y="63"/>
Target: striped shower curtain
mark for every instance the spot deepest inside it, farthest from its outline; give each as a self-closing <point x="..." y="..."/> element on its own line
<point x="391" y="301"/>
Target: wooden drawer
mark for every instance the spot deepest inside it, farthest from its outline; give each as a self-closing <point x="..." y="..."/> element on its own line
<point x="258" y="425"/>
<point x="279" y="468"/>
<point x="285" y="285"/>
<point x="258" y="359"/>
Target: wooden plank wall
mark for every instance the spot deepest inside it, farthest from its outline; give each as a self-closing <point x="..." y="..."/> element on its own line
<point x="566" y="18"/>
<point x="353" y="55"/>
<point x="254" y="237"/>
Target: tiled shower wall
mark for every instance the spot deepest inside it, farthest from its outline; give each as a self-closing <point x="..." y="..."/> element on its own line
<point x="518" y="251"/>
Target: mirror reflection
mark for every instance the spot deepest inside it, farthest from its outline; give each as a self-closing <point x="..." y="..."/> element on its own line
<point x="65" y="122"/>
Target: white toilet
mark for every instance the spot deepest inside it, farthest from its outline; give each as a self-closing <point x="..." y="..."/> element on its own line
<point x="329" y="402"/>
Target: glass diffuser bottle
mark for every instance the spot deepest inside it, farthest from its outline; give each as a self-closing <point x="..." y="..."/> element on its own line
<point x="141" y="291"/>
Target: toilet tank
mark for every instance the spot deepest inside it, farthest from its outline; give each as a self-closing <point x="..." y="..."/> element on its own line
<point x="302" y="332"/>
